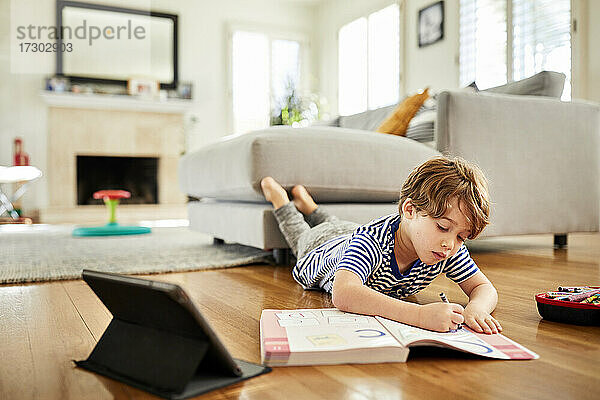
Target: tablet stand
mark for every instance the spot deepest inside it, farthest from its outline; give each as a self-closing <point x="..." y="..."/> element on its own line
<point x="169" y="358"/>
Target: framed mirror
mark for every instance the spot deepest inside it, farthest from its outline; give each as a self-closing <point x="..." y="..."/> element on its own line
<point x="105" y="44"/>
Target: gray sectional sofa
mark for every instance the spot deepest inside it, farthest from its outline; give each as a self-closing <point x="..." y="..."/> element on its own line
<point x="541" y="156"/>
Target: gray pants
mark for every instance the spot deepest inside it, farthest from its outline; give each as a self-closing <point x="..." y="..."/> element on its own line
<point x="305" y="233"/>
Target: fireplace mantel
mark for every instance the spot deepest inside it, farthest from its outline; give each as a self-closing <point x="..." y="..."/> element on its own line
<point x="114" y="102"/>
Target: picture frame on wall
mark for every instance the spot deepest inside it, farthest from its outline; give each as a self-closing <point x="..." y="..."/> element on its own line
<point x="431" y="24"/>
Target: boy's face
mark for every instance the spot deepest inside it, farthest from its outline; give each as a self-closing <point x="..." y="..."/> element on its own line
<point x="435" y="239"/>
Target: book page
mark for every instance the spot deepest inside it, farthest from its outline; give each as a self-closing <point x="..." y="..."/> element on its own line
<point x="464" y="339"/>
<point x="322" y="330"/>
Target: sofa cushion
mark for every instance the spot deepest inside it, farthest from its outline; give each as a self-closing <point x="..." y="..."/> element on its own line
<point x="422" y="126"/>
<point x="367" y="120"/>
<point x="545" y="83"/>
<point x="397" y="122"/>
<point x="335" y="164"/>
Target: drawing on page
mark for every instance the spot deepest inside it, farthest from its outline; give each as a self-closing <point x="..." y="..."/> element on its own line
<point x="296" y="315"/>
<point x="369" y="333"/>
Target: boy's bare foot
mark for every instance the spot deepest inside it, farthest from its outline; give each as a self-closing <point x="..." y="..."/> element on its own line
<point x="274" y="192"/>
<point x="303" y="200"/>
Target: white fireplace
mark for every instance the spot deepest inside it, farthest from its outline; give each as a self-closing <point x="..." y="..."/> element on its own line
<point x="112" y="127"/>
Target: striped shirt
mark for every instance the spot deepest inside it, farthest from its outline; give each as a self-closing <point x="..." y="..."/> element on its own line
<point x="369" y="253"/>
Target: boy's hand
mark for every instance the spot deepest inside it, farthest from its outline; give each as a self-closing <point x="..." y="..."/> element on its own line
<point x="480" y="321"/>
<point x="440" y="317"/>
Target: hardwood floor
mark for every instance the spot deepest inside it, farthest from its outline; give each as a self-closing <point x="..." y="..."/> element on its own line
<point x="43" y="327"/>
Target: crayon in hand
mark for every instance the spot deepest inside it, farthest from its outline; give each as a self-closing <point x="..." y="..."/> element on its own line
<point x="445" y="300"/>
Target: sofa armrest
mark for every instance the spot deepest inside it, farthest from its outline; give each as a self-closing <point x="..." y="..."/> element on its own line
<point x="540" y="156"/>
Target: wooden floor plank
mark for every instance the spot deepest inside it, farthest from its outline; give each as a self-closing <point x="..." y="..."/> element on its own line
<point x="95" y="316"/>
<point x="45" y="326"/>
<point x="47" y="334"/>
<point x="15" y="347"/>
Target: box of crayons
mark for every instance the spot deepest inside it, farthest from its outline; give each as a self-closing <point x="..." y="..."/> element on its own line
<point x="571" y="304"/>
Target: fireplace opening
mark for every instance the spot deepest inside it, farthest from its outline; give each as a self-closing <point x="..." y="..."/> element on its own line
<point x="137" y="175"/>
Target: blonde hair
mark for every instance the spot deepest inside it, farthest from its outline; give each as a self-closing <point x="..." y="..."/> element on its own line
<point x="432" y="185"/>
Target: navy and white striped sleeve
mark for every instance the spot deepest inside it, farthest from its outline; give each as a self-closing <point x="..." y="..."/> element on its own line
<point x="362" y="256"/>
<point x="461" y="266"/>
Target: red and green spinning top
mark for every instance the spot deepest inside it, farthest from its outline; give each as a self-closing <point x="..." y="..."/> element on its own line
<point x="111" y="199"/>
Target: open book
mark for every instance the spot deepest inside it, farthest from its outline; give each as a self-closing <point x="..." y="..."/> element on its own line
<point x="330" y="336"/>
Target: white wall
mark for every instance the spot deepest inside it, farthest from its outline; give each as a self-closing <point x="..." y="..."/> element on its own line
<point x="436" y="65"/>
<point x="21" y="111"/>
<point x="202" y="60"/>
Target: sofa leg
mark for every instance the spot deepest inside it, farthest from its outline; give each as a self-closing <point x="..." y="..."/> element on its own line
<point x="560" y="241"/>
<point x="282" y="256"/>
<point x="217" y="241"/>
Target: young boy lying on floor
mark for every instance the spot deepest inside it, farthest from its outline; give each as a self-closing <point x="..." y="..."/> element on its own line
<point x="369" y="268"/>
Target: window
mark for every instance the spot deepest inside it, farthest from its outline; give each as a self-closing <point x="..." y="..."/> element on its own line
<point x="264" y="69"/>
<point x="483" y="42"/>
<point x="352" y="92"/>
<point x="285" y="70"/>
<point x="368" y="62"/>
<point x="540" y="39"/>
<point x="250" y="83"/>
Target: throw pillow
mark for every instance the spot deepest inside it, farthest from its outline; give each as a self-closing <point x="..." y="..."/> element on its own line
<point x="397" y="122"/>
<point x="422" y="126"/>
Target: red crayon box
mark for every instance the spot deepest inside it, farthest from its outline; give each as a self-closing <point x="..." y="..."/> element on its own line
<point x="570" y="312"/>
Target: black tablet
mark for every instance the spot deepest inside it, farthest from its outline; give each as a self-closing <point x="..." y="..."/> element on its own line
<point x="158" y="340"/>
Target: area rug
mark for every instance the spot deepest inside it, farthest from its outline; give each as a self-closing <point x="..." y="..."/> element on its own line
<point x="38" y="253"/>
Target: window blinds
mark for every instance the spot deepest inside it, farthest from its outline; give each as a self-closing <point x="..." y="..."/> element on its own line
<point x="541" y="40"/>
<point x="483" y="42"/>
